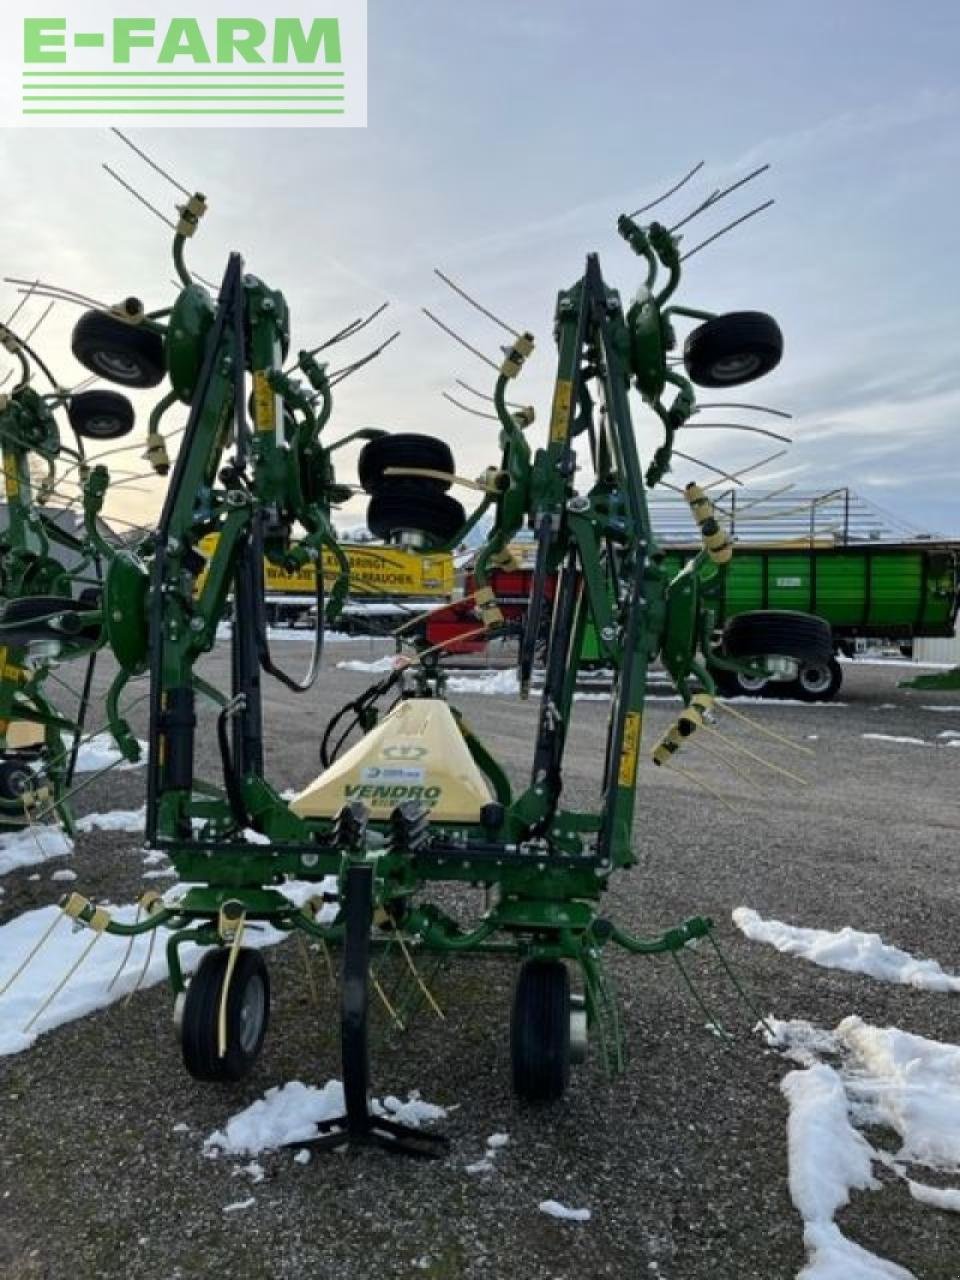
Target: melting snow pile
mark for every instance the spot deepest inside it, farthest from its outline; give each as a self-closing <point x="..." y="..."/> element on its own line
<point x="31" y="846"/>
<point x="290" y="1114"/>
<point x="102" y="752"/>
<point x="132" y="820"/>
<point x="91" y="987"/>
<point x="95" y="984"/>
<point x="489" y="683"/>
<point x="847" y="949"/>
<point x="883" y="1077"/>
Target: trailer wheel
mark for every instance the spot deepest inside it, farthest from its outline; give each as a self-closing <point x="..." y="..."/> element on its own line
<point x="780" y="633"/>
<point x="401" y="507"/>
<point x="818" y="681"/>
<point x="100" y="415"/>
<point x="405" y="449"/>
<point x="737" y="684"/>
<point x="119" y="352"/>
<point x="730" y="350"/>
<point x="540" y="1031"/>
<point x="248" y="1013"/>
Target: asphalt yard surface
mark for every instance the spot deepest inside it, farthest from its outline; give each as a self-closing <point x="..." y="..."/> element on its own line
<point x="682" y="1161"/>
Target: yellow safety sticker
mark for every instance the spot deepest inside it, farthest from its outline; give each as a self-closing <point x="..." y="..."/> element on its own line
<point x="560" y="416"/>
<point x="11" y="476"/>
<point x="630" y="752"/>
<point x="264" y="403"/>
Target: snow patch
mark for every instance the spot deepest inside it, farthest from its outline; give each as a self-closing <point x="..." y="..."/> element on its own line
<point x="938" y="1197"/>
<point x="290" y="1113"/>
<point x="239" y="1205"/>
<point x="32" y="846"/>
<point x="378" y="665"/>
<point x="132" y="820"/>
<point x="489" y="684"/>
<point x="554" y="1209"/>
<point x="889" y="737"/>
<point x="847" y="949"/>
<point x="95" y="985"/>
<point x="884" y="1077"/>
<point x="101" y="752"/>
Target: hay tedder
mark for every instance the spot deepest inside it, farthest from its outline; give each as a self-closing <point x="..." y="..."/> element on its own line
<point x="50" y="582"/>
<point x="416" y="801"/>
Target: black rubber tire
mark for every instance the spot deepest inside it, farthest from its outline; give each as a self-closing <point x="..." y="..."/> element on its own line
<point x="124" y="353"/>
<point x="101" y="415"/>
<point x="405" y="507"/>
<point x="540" y="1031"/>
<point x="733" y="349"/>
<point x="16" y="777"/>
<point x="780" y="633"/>
<point x="817" y="681"/>
<point x="201" y="1012"/>
<point x="404" y="449"/>
<point x="21" y="620"/>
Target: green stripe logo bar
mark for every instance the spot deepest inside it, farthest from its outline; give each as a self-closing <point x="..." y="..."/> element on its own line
<point x="304" y="68"/>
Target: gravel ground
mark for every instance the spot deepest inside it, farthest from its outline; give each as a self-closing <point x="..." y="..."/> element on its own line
<point x="682" y="1160"/>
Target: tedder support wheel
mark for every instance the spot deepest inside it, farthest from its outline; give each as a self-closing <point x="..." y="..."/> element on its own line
<point x="16" y="778"/>
<point x="407" y="506"/>
<point x="125" y="353"/>
<point x="404" y="450"/>
<point x="730" y="350"/>
<point x="818" y="681"/>
<point x="248" y="1012"/>
<point x="100" y="415"/>
<point x="540" y="1031"/>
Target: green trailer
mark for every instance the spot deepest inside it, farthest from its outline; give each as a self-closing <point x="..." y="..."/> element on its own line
<point x="856" y="576"/>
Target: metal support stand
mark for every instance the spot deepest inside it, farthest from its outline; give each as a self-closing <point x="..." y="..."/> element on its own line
<point x="360" y="1126"/>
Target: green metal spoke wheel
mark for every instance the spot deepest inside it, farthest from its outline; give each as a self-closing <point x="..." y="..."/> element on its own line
<point x="540" y="1031"/>
<point x="248" y="1014"/>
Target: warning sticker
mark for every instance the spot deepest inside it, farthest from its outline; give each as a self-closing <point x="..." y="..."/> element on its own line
<point x="561" y="410"/>
<point x="629" y="755"/>
<point x="264" y="403"/>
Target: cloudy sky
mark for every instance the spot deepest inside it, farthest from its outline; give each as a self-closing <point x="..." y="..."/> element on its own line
<point x="503" y="141"/>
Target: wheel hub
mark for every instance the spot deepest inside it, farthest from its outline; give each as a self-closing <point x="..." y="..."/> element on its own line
<point x="117" y="366"/>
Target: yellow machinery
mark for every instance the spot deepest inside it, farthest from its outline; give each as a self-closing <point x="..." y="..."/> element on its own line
<point x="378" y="576"/>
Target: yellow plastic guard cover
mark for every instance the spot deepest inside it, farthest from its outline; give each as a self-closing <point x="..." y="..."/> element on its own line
<point x="415" y="753"/>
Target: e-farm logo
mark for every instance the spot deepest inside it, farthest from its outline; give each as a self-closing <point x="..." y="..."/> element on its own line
<point x="283" y="64"/>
